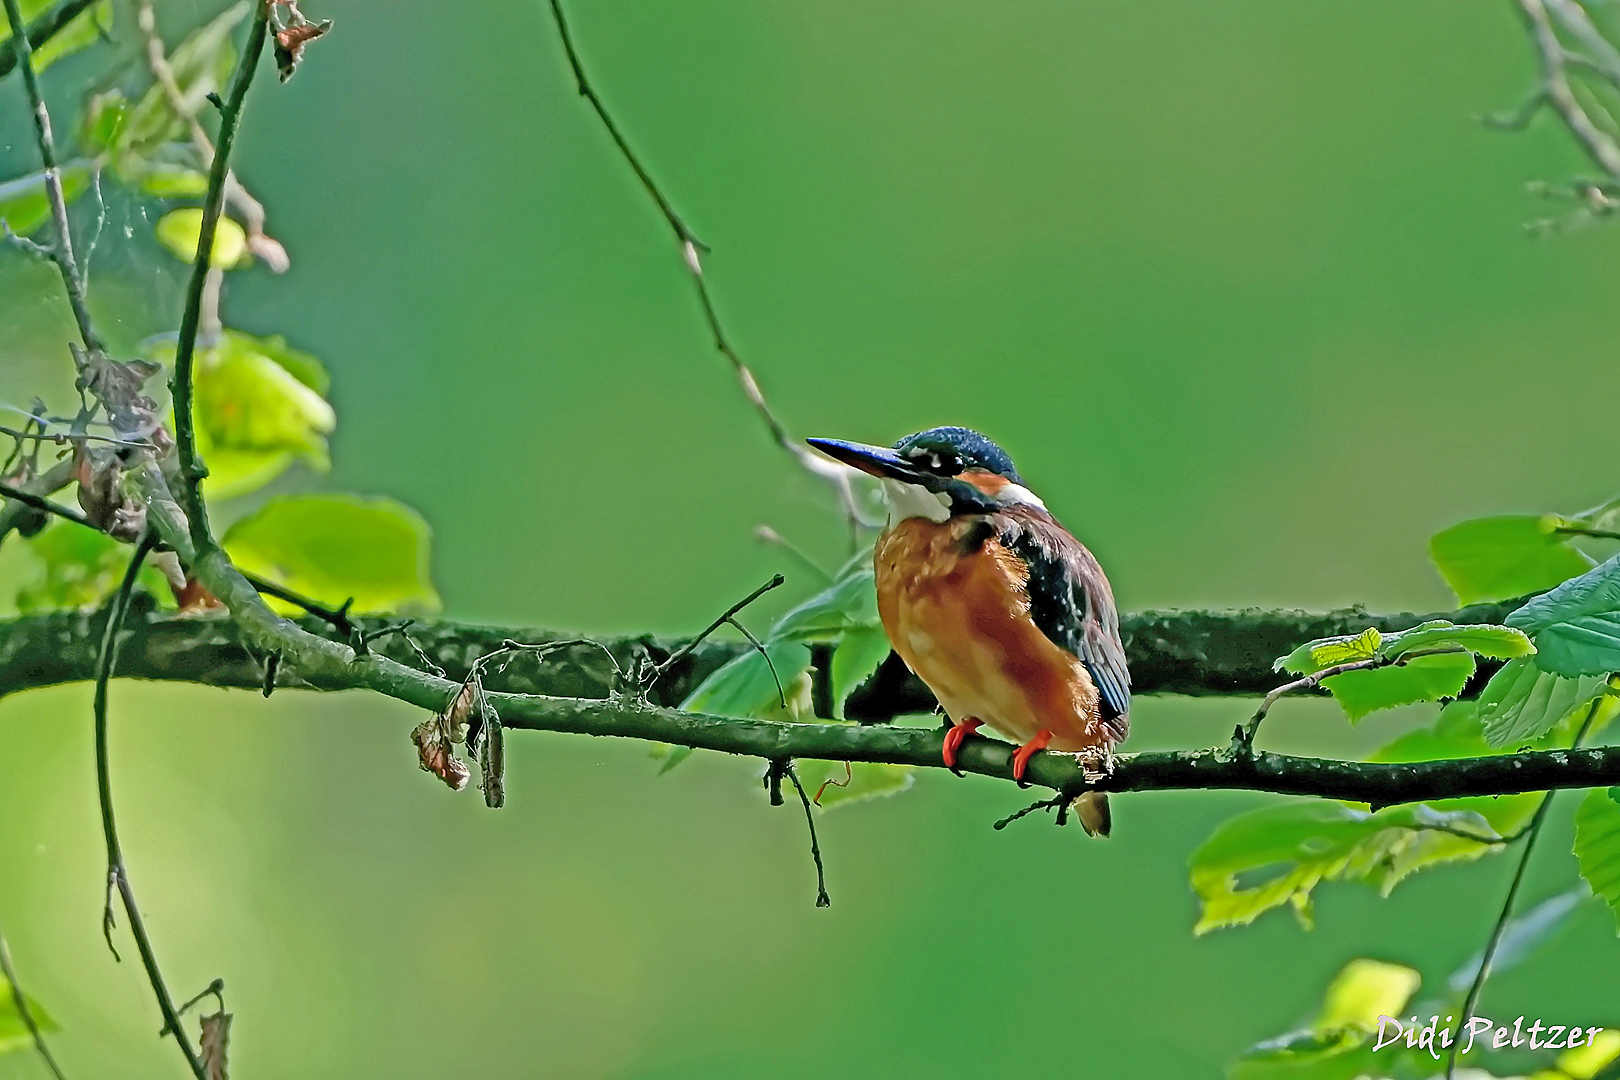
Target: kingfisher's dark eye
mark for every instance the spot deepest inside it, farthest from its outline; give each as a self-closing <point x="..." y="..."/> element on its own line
<point x="941" y="462"/>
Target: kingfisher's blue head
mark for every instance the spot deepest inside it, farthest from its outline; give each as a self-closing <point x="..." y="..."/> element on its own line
<point x="938" y="473"/>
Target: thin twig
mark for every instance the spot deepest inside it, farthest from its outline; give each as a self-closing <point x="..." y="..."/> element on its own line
<point x="251" y="209"/>
<point x="62" y="250"/>
<point x="1243" y="737"/>
<point x="20" y="1001"/>
<point x="117" y="874"/>
<point x="1598" y="534"/>
<point x="1533" y="830"/>
<point x="44" y="505"/>
<point x="192" y="469"/>
<point x="1558" y="94"/>
<point x="834" y="473"/>
<point x="822" y="899"/>
<point x="1044" y="804"/>
<point x="338" y="616"/>
<point x="680" y="654"/>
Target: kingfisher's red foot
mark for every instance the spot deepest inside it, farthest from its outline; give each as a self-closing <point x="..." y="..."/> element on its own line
<point x="1021" y="757"/>
<point x="953" y="740"/>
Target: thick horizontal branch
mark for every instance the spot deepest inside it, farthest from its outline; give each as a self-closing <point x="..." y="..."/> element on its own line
<point x="569" y="692"/>
<point x="1186" y="652"/>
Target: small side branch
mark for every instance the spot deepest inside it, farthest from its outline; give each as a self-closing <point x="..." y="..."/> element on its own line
<point x="822" y="899"/>
<point x="20" y="1002"/>
<point x="692" y="250"/>
<point x="62" y="247"/>
<point x="1558" y="94"/>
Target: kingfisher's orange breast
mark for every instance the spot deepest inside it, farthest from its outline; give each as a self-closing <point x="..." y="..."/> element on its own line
<point x="961" y="621"/>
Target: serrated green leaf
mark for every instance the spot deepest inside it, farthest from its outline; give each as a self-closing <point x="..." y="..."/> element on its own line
<point x="331" y="547"/>
<point x="1498" y="558"/>
<point x="24" y="206"/>
<point x="1524" y="702"/>
<point x="1482" y="639"/>
<point x="181" y="231"/>
<point x="14" y="1033"/>
<point x="85" y="29"/>
<point x="745" y="685"/>
<point x="1522" y="936"/>
<point x="1423" y="678"/>
<point x="1576" y="627"/>
<point x="864" y="780"/>
<point x="1313" y="656"/>
<point x="1597" y="844"/>
<point x="1294" y="846"/>
<point x="75" y="567"/>
<point x="859" y="653"/>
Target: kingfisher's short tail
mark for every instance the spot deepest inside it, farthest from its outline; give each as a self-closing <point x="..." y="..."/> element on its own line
<point x="1091" y="808"/>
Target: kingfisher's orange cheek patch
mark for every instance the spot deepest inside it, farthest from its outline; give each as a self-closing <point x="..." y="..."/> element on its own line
<point x="987" y="482"/>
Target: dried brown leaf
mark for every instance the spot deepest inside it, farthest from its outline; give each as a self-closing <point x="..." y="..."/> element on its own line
<point x="211" y="1047"/>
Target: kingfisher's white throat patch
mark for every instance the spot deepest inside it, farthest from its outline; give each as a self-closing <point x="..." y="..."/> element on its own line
<point x="913" y="500"/>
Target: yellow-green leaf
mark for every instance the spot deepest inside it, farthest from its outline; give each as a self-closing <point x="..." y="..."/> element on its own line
<point x="1498" y="558"/>
<point x="14" y="1033"/>
<point x="333" y="547"/>
<point x="1597" y="843"/>
<point x="1364" y="991"/>
<point x="24" y="206"/>
<point x="181" y="231"/>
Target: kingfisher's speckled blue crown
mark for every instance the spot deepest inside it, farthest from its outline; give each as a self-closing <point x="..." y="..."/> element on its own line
<point x="926" y="458"/>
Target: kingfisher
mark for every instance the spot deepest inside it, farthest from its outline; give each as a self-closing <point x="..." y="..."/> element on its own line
<point x="1005" y="616"/>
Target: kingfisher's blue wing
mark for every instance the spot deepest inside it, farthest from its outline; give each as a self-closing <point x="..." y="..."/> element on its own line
<point x="1070" y="600"/>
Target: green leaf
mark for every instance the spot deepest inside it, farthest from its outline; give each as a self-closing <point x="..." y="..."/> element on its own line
<point x="105" y="119"/>
<point x="1576" y="626"/>
<point x="76" y="567"/>
<point x="24" y="205"/>
<point x="1482" y="639"/>
<point x="1524" y="702"/>
<point x="671" y="755"/>
<point x="1498" y="558"/>
<point x="1585" y="1062"/>
<point x="1364" y="991"/>
<point x="14" y="1033"/>
<point x="1313" y="656"/>
<point x="745" y="685"/>
<point x="181" y="231"/>
<point x="1294" y="846"/>
<point x="1597" y="843"/>
<point x="1522" y="936"/>
<point x="864" y="780"/>
<point x="850" y="601"/>
<point x="169" y="181"/>
<point x="1423" y="678"/>
<point x="859" y="653"/>
<point x="259" y="407"/>
<point x="1338" y="1045"/>
<point x="331" y="547"/>
<point x="1456" y="733"/>
<point x="86" y="28"/>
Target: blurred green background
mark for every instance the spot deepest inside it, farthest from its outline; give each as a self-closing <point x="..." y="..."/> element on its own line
<point x="1244" y="289"/>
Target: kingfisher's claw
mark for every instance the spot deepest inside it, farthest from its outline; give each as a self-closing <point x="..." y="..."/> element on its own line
<point x="954" y="739"/>
<point x="1020" y="761"/>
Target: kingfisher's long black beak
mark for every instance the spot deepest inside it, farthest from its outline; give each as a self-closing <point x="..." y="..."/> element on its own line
<point x="878" y="460"/>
